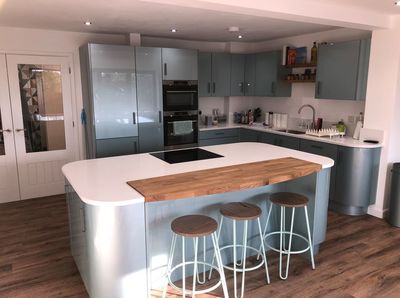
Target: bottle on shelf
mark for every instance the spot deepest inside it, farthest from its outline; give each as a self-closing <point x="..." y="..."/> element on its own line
<point x="314" y="52"/>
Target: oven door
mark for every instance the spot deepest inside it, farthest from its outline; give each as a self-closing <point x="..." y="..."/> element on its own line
<point x="180" y="97"/>
<point x="180" y="131"/>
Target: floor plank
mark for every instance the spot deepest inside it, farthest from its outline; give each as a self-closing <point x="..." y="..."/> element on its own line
<point x="360" y="258"/>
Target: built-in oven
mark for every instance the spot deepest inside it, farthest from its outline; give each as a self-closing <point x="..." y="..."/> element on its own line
<point x="180" y="129"/>
<point x="180" y="96"/>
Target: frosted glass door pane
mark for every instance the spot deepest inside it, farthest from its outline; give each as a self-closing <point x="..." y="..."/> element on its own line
<point x="42" y="107"/>
<point x="114" y="91"/>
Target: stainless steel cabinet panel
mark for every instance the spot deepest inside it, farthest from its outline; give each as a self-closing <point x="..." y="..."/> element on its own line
<point x="149" y="96"/>
<point x="114" y="91"/>
<point x="179" y="64"/>
<point x="337" y="70"/>
<point x="204" y="74"/>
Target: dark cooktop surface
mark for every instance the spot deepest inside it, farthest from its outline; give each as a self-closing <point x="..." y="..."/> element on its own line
<point x="186" y="155"/>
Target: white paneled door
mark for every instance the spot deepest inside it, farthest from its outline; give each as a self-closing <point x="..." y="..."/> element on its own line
<point x="42" y="130"/>
<point x="9" y="188"/>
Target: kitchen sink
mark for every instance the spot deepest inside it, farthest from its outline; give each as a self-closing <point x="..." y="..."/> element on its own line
<point x="292" y="131"/>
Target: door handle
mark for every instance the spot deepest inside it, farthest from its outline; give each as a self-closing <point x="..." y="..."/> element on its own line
<point x="159" y="116"/>
<point x="209" y="88"/>
<point x="5" y="130"/>
<point x="134" y="118"/>
<point x="213" y="87"/>
<point x="20" y="129"/>
<point x="165" y="69"/>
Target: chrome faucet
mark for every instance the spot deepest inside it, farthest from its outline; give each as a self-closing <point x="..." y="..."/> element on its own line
<point x="313" y="114"/>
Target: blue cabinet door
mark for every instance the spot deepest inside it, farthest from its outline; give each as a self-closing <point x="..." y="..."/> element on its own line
<point x="279" y="140"/>
<point x="363" y="66"/>
<point x="270" y="75"/>
<point x="237" y="74"/>
<point x="204" y="82"/>
<point x="149" y="97"/>
<point x="179" y="64"/>
<point x="337" y="70"/>
<point x="220" y="74"/>
<point x="250" y="75"/>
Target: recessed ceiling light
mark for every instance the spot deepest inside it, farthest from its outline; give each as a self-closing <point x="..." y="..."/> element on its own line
<point x="173" y="30"/>
<point x="240" y="36"/>
<point x="88" y="23"/>
<point x="397" y="3"/>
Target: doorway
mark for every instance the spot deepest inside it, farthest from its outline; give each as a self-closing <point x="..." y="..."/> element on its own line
<point x="36" y="125"/>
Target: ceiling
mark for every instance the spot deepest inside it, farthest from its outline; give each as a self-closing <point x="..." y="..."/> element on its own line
<point x="378" y="6"/>
<point x="154" y="19"/>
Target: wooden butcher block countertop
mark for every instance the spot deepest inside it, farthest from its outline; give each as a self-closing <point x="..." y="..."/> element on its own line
<point x="223" y="179"/>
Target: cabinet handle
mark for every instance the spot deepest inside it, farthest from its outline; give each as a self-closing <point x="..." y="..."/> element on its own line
<point x="165" y="69"/>
<point x="273" y="88"/>
<point x="135" y="147"/>
<point x="318" y="87"/>
<point x="316" y="147"/>
<point x="213" y="87"/>
<point x="20" y="129"/>
<point x="159" y="116"/>
<point x="208" y="87"/>
<point x="5" y="130"/>
<point x="219" y="133"/>
<point x="83" y="218"/>
<point x="134" y="118"/>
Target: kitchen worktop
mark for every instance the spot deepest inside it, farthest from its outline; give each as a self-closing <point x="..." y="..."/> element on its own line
<point x="104" y="181"/>
<point x="341" y="141"/>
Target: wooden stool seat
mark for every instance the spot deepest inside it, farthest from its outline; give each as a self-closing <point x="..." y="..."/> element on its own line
<point x="194" y="225"/>
<point x="240" y="211"/>
<point x="289" y="199"/>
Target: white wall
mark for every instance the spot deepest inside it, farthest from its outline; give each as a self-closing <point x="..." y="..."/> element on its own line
<point x="383" y="104"/>
<point x="48" y="42"/>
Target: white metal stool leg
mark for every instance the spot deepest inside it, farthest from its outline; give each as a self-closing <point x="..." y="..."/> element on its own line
<point x="219" y="233"/>
<point x="309" y="238"/>
<point x="183" y="269"/>
<point x="171" y="256"/>
<point x="202" y="282"/>
<point x="196" y="242"/>
<point x="265" y="230"/>
<point x="263" y="251"/>
<point x="220" y="265"/>
<point x="282" y="249"/>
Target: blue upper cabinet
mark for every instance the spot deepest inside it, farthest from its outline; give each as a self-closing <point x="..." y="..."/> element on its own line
<point x="243" y="74"/>
<point x="179" y="64"/>
<point x="270" y="74"/>
<point x="237" y="74"/>
<point x="342" y="70"/>
<point x="214" y="74"/>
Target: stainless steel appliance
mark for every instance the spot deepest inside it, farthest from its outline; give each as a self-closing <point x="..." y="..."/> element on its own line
<point x="180" y="129"/>
<point x="178" y="156"/>
<point x="180" y="95"/>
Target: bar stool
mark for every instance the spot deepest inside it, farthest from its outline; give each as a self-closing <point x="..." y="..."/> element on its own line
<point x="194" y="226"/>
<point x="242" y="212"/>
<point x="288" y="200"/>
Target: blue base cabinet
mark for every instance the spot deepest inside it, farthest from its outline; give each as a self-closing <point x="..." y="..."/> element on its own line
<point x="219" y="137"/>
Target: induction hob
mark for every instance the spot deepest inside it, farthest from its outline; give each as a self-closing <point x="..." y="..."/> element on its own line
<point x="186" y="155"/>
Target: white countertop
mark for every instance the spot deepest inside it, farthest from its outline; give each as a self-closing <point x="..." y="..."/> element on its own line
<point x="342" y="141"/>
<point x="102" y="181"/>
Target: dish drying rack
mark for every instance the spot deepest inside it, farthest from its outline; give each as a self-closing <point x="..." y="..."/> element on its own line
<point x="326" y="132"/>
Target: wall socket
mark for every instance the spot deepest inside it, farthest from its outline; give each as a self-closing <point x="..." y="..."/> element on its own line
<point x="351" y="119"/>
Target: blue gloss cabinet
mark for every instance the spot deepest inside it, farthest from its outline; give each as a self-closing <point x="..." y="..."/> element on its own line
<point x="179" y="64"/>
<point x="243" y="74"/>
<point x="342" y="70"/>
<point x="149" y="98"/>
<point x="214" y="74"/>
<point x="270" y="75"/>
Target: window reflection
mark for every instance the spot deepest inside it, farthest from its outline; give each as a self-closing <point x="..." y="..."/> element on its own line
<point x="42" y="107"/>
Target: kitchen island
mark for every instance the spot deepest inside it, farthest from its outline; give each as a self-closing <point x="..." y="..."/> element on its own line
<point x="120" y="237"/>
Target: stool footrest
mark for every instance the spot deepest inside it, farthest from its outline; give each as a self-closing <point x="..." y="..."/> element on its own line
<point x="292" y="252"/>
<point x="172" y="284"/>
<point x="247" y="268"/>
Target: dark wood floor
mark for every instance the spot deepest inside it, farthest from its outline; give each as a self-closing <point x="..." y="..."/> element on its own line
<point x="360" y="258"/>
